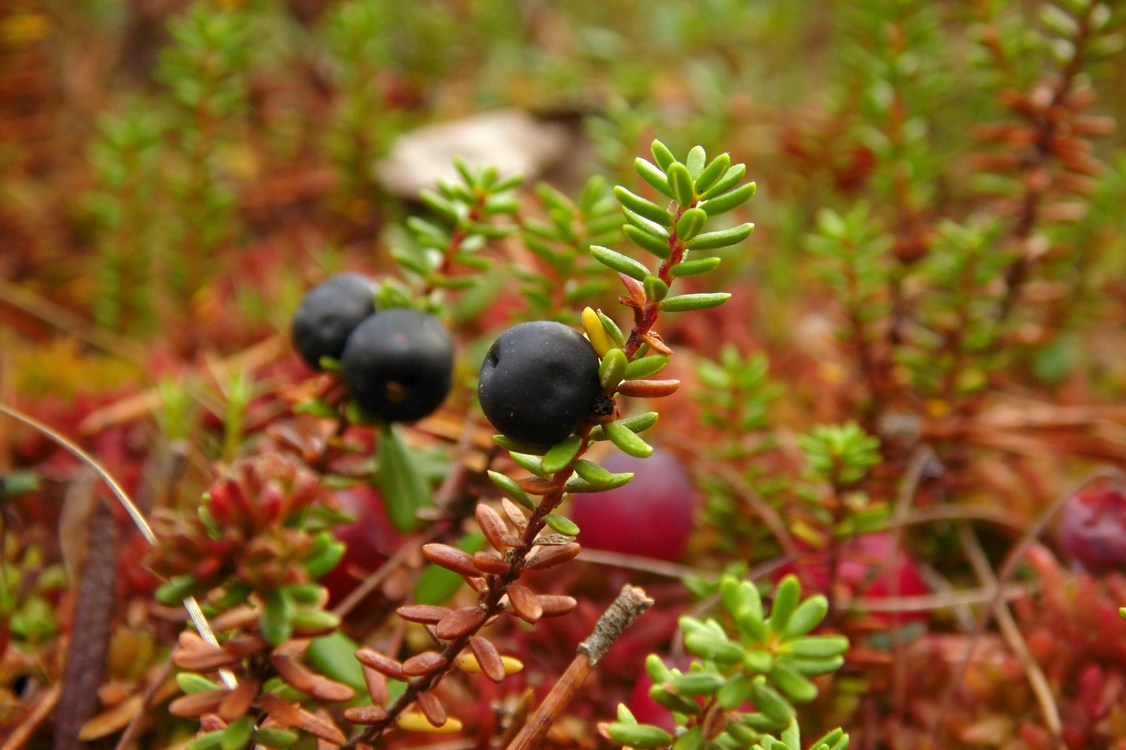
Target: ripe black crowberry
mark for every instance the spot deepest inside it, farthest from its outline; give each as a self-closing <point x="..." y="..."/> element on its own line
<point x="538" y="381"/>
<point x="328" y="313"/>
<point x="398" y="365"/>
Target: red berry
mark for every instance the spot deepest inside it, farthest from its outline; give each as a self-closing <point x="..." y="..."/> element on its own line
<point x="650" y="516"/>
<point x="370" y="540"/>
<point x="1092" y="529"/>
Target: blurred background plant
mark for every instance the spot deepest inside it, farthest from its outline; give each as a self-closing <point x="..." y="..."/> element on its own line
<point x="917" y="368"/>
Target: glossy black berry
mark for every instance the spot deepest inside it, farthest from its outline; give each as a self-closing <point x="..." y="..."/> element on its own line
<point x="328" y="313"/>
<point x="538" y="381"/>
<point x="398" y="365"/>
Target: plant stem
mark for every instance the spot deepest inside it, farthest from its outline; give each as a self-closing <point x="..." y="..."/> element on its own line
<point x="490" y="602"/>
<point x="627" y="607"/>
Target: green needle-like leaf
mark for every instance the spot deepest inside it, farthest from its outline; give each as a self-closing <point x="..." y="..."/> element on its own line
<point x="618" y="262"/>
<point x="561" y="454"/>
<point x="688" y="302"/>
<point x="561" y="524"/>
<point x="627" y="441"/>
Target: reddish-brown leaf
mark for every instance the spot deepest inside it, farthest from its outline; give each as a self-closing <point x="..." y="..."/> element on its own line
<point x="424" y="663"/>
<point x="515" y="514"/>
<point x="289" y="715"/>
<point x="537" y="485"/>
<point x="487" y="657"/>
<point x="197" y="704"/>
<point x="656" y="343"/>
<point x="380" y="663"/>
<point x="525" y="603"/>
<point x="238" y="701"/>
<point x="432" y="708"/>
<point x="459" y="622"/>
<point x="365" y="714"/>
<point x="425" y="614"/>
<point x="493" y="527"/>
<point x="211" y="723"/>
<point x="557" y="604"/>
<point x="450" y="558"/>
<point x="239" y="618"/>
<point x="244" y="645"/>
<point x="490" y="562"/>
<point x="204" y="660"/>
<point x="376" y="684"/>
<point x="547" y="557"/>
<point x="648" y="388"/>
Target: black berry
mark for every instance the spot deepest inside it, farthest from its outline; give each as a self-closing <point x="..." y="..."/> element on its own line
<point x="538" y="381"/>
<point x="328" y="313"/>
<point x="398" y="365"/>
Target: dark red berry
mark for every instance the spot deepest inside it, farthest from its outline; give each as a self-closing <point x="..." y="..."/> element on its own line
<point x="1092" y="528"/>
<point x="370" y="540"/>
<point x="650" y="516"/>
<point x="398" y="365"/>
<point x="328" y="313"/>
<point x="538" y="381"/>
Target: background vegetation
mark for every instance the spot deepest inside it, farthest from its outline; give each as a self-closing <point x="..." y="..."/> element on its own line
<point x="913" y="400"/>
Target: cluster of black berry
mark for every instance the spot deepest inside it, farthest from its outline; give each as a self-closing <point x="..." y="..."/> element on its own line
<point x="397" y="364"/>
<point x="539" y="380"/>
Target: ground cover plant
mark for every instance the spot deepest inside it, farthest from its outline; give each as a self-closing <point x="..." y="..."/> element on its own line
<point x="771" y="400"/>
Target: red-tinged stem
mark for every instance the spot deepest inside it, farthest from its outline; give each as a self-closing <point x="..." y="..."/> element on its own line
<point x="646" y="316"/>
<point x="490" y="602"/>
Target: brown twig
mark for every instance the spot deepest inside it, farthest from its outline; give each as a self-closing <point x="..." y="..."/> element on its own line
<point x="630" y="604"/>
<point x="1037" y="680"/>
<point x="89" y="639"/>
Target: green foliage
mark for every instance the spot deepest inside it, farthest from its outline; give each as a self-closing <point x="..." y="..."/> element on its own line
<point x="358" y="36"/>
<point x="760" y="657"/>
<point x="466" y="217"/>
<point x="567" y="277"/>
<point x="959" y="320"/>
<point x="840" y="455"/>
<point x="125" y="158"/>
<point x="205" y="70"/>
<point x="735" y="396"/>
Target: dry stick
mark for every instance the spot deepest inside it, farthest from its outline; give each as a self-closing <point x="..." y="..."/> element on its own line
<point x="85" y="662"/>
<point x="1009" y="630"/>
<point x="630" y="604"/>
<point x="138" y="518"/>
<point x="1008" y="568"/>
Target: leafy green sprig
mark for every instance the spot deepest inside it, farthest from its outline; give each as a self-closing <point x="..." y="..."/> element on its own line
<point x="357" y="36"/>
<point x="699" y="191"/>
<point x="125" y="157"/>
<point x="735" y="395"/>
<point x="531" y="533"/>
<point x="467" y="216"/>
<point x="568" y="276"/>
<point x="753" y="658"/>
<point x="206" y="71"/>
